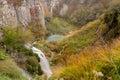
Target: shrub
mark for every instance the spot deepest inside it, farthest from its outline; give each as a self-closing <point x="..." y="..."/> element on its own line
<point x="33" y="65"/>
<point x="13" y="36"/>
<point x="2" y="55"/>
<point x="37" y="30"/>
<point x="112" y="20"/>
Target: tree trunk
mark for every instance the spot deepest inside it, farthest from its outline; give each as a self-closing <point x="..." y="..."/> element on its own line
<point x="42" y="16"/>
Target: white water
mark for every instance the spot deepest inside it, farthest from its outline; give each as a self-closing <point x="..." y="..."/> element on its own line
<point x="43" y="61"/>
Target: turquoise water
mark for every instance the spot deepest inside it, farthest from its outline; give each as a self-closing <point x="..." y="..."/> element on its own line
<point x="55" y="37"/>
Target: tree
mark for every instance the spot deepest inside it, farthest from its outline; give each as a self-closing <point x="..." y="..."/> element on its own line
<point x="53" y="4"/>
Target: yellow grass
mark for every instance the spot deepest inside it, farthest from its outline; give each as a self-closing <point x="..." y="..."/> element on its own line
<point x="90" y="24"/>
<point x="100" y="59"/>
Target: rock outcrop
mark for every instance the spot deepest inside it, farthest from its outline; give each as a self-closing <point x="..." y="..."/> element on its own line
<point x="24" y="13"/>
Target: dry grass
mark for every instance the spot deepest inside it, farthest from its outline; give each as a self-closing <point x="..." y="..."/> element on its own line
<point x="89" y="25"/>
<point x="102" y="59"/>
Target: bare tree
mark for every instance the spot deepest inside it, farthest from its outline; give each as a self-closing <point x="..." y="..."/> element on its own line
<point x="53" y="4"/>
<point x="41" y="15"/>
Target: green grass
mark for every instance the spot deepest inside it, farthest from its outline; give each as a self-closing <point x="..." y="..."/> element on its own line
<point x="81" y="39"/>
<point x="3" y="55"/>
<point x="59" y="26"/>
<point x="3" y="77"/>
<point x="10" y="71"/>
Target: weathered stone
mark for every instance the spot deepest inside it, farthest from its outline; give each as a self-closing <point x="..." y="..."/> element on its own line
<point x="13" y="15"/>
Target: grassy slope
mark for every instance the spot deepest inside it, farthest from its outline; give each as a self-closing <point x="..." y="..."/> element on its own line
<point x="59" y="26"/>
<point x="10" y="71"/>
<point x="80" y="39"/>
<point x="76" y="41"/>
<point x="92" y="63"/>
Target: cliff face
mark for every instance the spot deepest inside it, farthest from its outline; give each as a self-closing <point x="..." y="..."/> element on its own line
<point x="7" y="14"/>
<point x="24" y="12"/>
<point x="13" y="15"/>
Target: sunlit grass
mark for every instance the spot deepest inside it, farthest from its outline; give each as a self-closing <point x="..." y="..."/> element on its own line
<point x="94" y="63"/>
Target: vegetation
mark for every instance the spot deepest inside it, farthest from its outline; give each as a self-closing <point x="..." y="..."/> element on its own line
<point x="89" y="52"/>
<point x="81" y="38"/>
<point x="37" y="30"/>
<point x="59" y="26"/>
<point x="100" y="63"/>
<point x="111" y="19"/>
<point x="14" y="38"/>
<point x="10" y="71"/>
<point x="94" y="61"/>
<point x="16" y="35"/>
<point x="3" y="55"/>
<point x="85" y="15"/>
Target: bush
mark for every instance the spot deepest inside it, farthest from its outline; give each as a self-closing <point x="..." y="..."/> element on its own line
<point x="37" y="30"/>
<point x="14" y="38"/>
<point x="33" y="65"/>
<point x="16" y="35"/>
<point x="112" y="20"/>
<point x="2" y="55"/>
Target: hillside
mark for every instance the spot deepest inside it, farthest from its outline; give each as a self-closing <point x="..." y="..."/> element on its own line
<point x="9" y="70"/>
<point x="92" y="53"/>
<point x="59" y="40"/>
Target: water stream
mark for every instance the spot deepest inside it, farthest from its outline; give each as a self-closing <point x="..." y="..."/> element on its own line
<point x="45" y="67"/>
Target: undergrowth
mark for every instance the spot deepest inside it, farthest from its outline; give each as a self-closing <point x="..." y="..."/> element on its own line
<point x="100" y="63"/>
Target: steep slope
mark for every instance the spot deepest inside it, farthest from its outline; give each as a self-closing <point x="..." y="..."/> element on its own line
<point x="9" y="70"/>
<point x="80" y="12"/>
<point x="97" y="32"/>
<point x="80" y="39"/>
<point x="93" y="52"/>
<point x="94" y="63"/>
